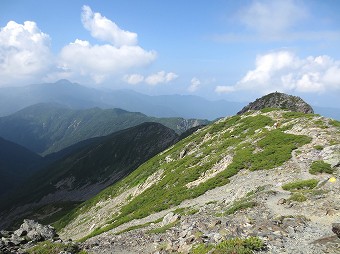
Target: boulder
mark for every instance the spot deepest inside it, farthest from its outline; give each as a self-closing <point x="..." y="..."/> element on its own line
<point x="35" y="231"/>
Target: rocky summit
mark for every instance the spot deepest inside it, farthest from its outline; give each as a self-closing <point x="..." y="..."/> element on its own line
<point x="279" y="100"/>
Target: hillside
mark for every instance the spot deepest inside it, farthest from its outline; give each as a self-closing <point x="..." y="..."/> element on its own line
<point x="272" y="174"/>
<point x="83" y="173"/>
<point x="48" y="128"/>
<point x="16" y="164"/>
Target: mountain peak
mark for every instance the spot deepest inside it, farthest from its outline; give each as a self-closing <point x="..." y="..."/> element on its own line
<point x="63" y="81"/>
<point x="279" y="100"/>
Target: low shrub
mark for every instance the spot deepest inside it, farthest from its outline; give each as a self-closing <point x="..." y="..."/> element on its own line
<point x="301" y="184"/>
<point x="298" y="197"/>
<point x="240" y="205"/>
<point x="320" y="167"/>
<point x="231" y="246"/>
<point x="48" y="247"/>
<point x="318" y="147"/>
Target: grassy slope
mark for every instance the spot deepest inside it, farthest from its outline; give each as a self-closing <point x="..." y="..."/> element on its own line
<point x="250" y="139"/>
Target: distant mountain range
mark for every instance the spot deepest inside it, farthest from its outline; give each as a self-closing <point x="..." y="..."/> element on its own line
<point x="76" y="96"/>
<point x="49" y="128"/>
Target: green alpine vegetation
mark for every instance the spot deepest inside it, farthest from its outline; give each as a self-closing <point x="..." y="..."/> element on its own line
<point x="48" y="247"/>
<point x="301" y="184"/>
<point x="231" y="246"/>
<point x="320" y="167"/>
<point x="185" y="171"/>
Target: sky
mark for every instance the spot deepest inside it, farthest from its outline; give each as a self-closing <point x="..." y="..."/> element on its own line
<point x="221" y="49"/>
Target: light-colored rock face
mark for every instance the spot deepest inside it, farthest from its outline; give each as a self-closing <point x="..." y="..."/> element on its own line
<point x="288" y="221"/>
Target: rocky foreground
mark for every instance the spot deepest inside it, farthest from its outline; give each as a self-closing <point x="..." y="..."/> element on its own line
<point x="28" y="235"/>
<point x="285" y="226"/>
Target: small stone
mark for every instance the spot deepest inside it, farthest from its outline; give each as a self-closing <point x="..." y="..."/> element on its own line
<point x="214" y="223"/>
<point x="190" y="239"/>
<point x="290" y="230"/>
<point x="336" y="229"/>
<point x="170" y="218"/>
<point x="281" y="201"/>
<point x="331" y="212"/>
<point x="183" y="233"/>
<point x="5" y="233"/>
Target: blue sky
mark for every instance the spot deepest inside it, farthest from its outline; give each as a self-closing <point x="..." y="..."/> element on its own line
<point x="233" y="50"/>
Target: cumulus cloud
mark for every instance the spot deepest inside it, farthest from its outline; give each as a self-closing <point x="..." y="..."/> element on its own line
<point x="195" y="83"/>
<point x="24" y="53"/>
<point x="80" y="59"/>
<point x="104" y="29"/>
<point x="102" y="61"/>
<point x="284" y="71"/>
<point x="160" y="77"/>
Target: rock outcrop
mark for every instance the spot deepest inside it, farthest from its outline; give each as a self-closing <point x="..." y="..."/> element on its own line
<point x="279" y="100"/>
<point x="29" y="233"/>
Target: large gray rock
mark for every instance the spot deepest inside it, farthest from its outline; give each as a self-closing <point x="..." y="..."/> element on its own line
<point x="279" y="100"/>
<point x="35" y="231"/>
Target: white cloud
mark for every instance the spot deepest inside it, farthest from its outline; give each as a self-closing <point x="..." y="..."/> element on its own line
<point x="284" y="71"/>
<point x="271" y="18"/>
<point x="160" y="77"/>
<point x="102" y="61"/>
<point x="104" y="29"/>
<point x="279" y="20"/>
<point x="152" y="79"/>
<point x="195" y="83"/>
<point x="81" y="60"/>
<point x="24" y="53"/>
<point x="133" y="79"/>
<point x="224" y="89"/>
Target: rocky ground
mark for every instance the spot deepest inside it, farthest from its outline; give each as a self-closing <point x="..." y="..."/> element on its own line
<point x="285" y="225"/>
